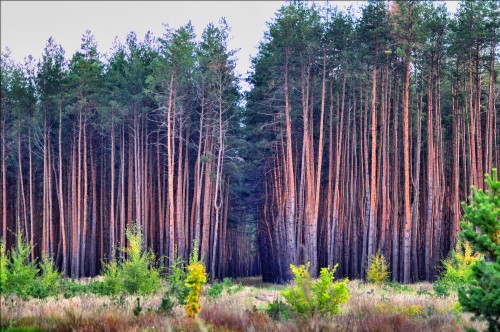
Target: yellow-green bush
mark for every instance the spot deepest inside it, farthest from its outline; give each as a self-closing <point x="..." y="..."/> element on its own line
<point x="377" y="269"/>
<point x="21" y="272"/>
<point x="196" y="278"/>
<point x="48" y="283"/>
<point x="176" y="280"/>
<point x="413" y="310"/>
<point x="3" y="267"/>
<point x="457" y="268"/>
<point x="322" y="297"/>
<point x="138" y="273"/>
<point x="112" y="282"/>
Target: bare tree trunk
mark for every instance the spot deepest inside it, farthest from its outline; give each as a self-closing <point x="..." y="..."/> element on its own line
<point x="61" y="197"/>
<point x="395" y="195"/>
<point x="406" y="166"/>
<point x="93" y="235"/>
<point x="290" y="203"/>
<point x="329" y="197"/>
<point x="85" y="197"/>
<point x="475" y="179"/>
<point x="170" y="158"/>
<point x="21" y="181"/>
<point x="490" y="112"/>
<point x="314" y="266"/>
<point x="122" y="179"/>
<point x="218" y="182"/>
<point x="112" y="203"/>
<point x="205" y="242"/>
<point x="415" y="205"/>
<point x="373" y="182"/>
<point x="430" y="182"/>
<point x="32" y="214"/>
<point x="456" y="167"/>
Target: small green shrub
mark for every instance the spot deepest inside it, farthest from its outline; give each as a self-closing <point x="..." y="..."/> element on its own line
<point x="278" y="310"/>
<point x="97" y="288"/>
<point x="139" y="272"/>
<point x="441" y="289"/>
<point x="215" y="291"/>
<point x="457" y="308"/>
<point x="138" y="308"/>
<point x="329" y="295"/>
<point x="196" y="278"/>
<point x="3" y="267"/>
<point x="48" y="283"/>
<point x="227" y="282"/>
<point x="72" y="288"/>
<point x="424" y="292"/>
<point x="21" y="272"/>
<point x="112" y="284"/>
<point x="235" y="289"/>
<point x="457" y="268"/>
<point x="323" y="297"/>
<point x="398" y="287"/>
<point x="166" y="304"/>
<point x="378" y="273"/>
<point x="177" y="281"/>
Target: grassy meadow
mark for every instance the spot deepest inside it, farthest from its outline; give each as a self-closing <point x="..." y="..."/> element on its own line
<point x="244" y="306"/>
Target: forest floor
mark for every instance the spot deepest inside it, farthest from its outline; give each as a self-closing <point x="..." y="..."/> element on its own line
<point x="392" y="307"/>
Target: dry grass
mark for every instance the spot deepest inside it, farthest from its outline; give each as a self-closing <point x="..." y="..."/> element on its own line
<point x="371" y="308"/>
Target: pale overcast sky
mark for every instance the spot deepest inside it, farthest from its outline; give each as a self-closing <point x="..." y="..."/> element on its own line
<point x="27" y="25"/>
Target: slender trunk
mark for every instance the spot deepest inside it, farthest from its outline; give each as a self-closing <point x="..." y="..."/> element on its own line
<point x="112" y="202"/>
<point x="122" y="177"/>
<point x="406" y="166"/>
<point x="85" y="197"/>
<point x="490" y="112"/>
<point x="314" y="267"/>
<point x="415" y="206"/>
<point x="170" y="169"/>
<point x="180" y="195"/>
<point x="395" y="194"/>
<point x="205" y="241"/>
<point x="24" y="221"/>
<point x="291" y="240"/>
<point x="477" y="116"/>
<point x="472" y="147"/>
<point x="373" y="192"/>
<point x="456" y="168"/>
<point x="430" y="182"/>
<point x="329" y="199"/>
<point x="93" y="235"/>
<point x="61" y="195"/>
<point x="218" y="182"/>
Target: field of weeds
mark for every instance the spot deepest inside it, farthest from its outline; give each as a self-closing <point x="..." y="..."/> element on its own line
<point x="392" y="307"/>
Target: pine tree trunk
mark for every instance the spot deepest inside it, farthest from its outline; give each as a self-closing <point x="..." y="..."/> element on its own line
<point x="373" y="191"/>
<point x="61" y="194"/>
<point x="406" y="166"/>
